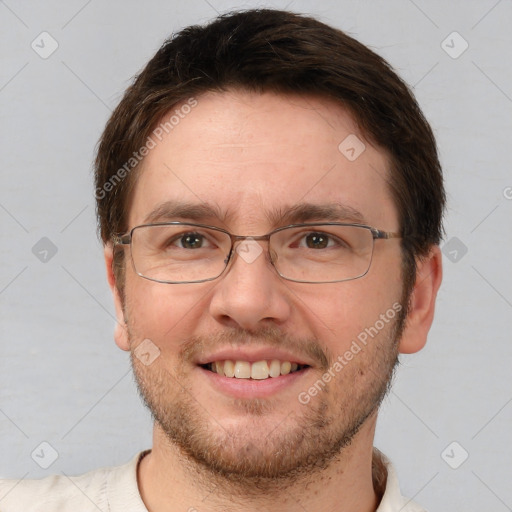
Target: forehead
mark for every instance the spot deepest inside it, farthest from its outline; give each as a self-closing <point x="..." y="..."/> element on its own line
<point x="251" y="157"/>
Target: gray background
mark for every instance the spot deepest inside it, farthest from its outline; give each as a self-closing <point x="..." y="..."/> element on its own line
<point x="62" y="379"/>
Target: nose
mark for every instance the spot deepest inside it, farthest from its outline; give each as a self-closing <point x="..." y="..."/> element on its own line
<point x="250" y="293"/>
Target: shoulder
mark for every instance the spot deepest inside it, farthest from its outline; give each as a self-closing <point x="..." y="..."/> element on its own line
<point x="91" y="491"/>
<point x="392" y="499"/>
<point x="54" y="493"/>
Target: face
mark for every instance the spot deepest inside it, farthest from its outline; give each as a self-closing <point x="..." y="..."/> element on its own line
<point x="245" y="161"/>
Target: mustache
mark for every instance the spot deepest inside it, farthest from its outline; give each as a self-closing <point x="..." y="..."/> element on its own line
<point x="267" y="336"/>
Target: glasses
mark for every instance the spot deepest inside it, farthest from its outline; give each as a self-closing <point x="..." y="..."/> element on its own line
<point x="182" y="252"/>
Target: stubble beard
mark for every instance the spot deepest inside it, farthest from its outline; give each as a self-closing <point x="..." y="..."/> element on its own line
<point x="270" y="452"/>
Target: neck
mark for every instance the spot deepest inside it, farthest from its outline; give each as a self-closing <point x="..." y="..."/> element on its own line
<point x="166" y="476"/>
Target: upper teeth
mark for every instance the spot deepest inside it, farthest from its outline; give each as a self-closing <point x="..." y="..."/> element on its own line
<point x="258" y="370"/>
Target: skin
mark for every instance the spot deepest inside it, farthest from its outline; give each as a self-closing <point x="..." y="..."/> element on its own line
<point x="246" y="154"/>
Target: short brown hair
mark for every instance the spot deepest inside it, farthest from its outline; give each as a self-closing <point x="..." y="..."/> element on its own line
<point x="265" y="50"/>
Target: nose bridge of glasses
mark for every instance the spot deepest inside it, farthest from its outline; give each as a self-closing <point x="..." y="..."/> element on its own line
<point x="249" y="247"/>
<point x="237" y="241"/>
<point x="241" y="238"/>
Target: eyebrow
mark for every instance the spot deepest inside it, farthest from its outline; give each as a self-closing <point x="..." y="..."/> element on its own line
<point x="303" y="212"/>
<point x="308" y="212"/>
<point x="173" y="210"/>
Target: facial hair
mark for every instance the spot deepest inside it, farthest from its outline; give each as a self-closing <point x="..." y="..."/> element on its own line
<point x="269" y="452"/>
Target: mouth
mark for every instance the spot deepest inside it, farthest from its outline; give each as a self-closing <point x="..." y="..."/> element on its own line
<point x="258" y="370"/>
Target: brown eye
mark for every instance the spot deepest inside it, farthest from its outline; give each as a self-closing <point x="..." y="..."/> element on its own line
<point x="191" y="241"/>
<point x="317" y="241"/>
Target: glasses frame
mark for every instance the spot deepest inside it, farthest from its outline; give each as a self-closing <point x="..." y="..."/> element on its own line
<point x="377" y="234"/>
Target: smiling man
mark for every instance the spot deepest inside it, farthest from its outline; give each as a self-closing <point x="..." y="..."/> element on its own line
<point x="270" y="200"/>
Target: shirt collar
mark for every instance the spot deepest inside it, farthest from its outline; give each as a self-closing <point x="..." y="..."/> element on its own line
<point x="123" y="490"/>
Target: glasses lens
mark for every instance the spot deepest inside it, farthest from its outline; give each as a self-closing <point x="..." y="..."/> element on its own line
<point x="322" y="253"/>
<point x="178" y="253"/>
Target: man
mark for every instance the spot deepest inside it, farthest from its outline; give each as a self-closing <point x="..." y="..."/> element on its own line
<point x="270" y="200"/>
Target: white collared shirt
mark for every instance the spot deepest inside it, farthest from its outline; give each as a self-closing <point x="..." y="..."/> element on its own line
<point x="115" y="489"/>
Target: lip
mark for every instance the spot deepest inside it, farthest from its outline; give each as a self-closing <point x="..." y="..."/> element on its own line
<point x="252" y="355"/>
<point x="249" y="388"/>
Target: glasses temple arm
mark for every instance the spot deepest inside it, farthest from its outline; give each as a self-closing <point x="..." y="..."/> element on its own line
<point x="122" y="239"/>
<point x="385" y="235"/>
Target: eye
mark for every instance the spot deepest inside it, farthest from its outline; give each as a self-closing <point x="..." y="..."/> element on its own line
<point x="316" y="240"/>
<point x="190" y="241"/>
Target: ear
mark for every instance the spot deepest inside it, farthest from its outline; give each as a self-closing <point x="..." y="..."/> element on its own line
<point x="121" y="331"/>
<point x="429" y="274"/>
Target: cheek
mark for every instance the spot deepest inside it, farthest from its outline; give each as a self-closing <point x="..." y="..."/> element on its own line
<point x="164" y="313"/>
<point x="338" y="315"/>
